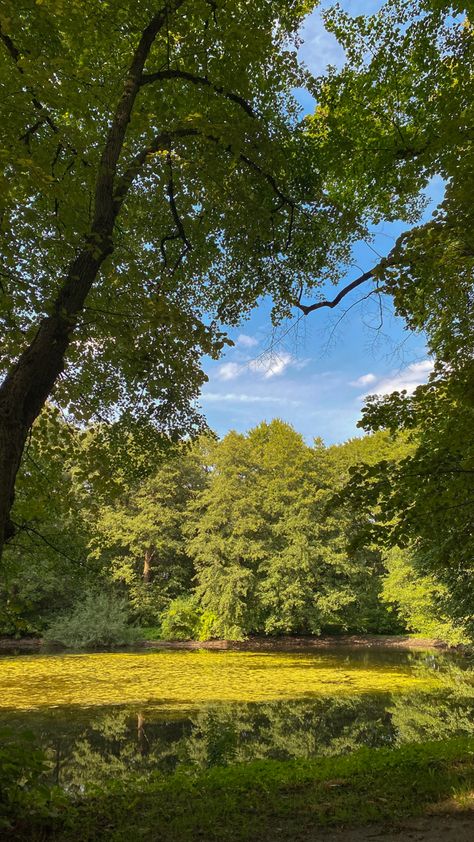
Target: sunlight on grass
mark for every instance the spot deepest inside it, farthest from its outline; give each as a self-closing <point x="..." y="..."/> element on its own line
<point x="188" y="679"/>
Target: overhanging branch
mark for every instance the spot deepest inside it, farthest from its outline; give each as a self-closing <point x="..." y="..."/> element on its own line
<point x="331" y="303"/>
<point x="318" y="305"/>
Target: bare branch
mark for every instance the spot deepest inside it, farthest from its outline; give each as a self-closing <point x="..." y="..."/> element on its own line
<point x="146" y="79"/>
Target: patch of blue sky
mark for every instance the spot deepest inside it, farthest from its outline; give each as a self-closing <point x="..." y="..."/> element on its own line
<point x="314" y="372"/>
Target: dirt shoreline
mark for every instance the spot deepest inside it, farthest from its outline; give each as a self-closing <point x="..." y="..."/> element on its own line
<point x="288" y="643"/>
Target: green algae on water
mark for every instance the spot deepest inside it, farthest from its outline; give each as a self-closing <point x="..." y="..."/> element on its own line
<point x="185" y="680"/>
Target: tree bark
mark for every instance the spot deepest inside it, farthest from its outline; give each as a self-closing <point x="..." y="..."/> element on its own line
<point x="147" y="565"/>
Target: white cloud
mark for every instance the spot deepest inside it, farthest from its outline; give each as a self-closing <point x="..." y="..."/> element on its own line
<point x="229" y="371"/>
<point x="246" y="341"/>
<point x="239" y="397"/>
<point x="364" y="380"/>
<point x="266" y="365"/>
<point x="406" y="380"/>
<point x="272" y="365"/>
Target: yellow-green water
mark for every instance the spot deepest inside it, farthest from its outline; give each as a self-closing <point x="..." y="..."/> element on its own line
<point x="189" y="679"/>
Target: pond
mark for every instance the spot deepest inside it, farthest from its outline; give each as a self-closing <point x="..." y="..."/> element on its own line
<point x="113" y="715"/>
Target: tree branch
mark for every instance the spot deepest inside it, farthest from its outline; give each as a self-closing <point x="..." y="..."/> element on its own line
<point x="146" y="79"/>
<point x="309" y="308"/>
<point x="104" y="196"/>
<point x="160" y="143"/>
<point x="331" y="303"/>
<point x="15" y="55"/>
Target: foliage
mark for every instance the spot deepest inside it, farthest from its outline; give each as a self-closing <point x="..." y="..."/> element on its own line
<point x="154" y="173"/>
<point x="45" y="568"/>
<point x="180" y="621"/>
<point x="419" y="599"/>
<point x="138" y="537"/>
<point x="184" y="619"/>
<point x="23" y="794"/>
<point x="254" y="516"/>
<point x="290" y="798"/>
<point x="98" y="620"/>
<point x="421" y="124"/>
<point x="270" y="555"/>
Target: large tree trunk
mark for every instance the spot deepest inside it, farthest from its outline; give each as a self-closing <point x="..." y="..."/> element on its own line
<point x="27" y="386"/>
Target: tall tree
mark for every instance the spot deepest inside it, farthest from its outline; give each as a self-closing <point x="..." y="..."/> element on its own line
<point x="414" y="99"/>
<point x="270" y="554"/>
<point x="138" y="537"/>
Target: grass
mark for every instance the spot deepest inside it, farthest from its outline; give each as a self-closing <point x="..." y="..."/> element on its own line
<point x="272" y="800"/>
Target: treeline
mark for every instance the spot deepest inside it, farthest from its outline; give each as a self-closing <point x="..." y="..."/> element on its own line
<point x="253" y="534"/>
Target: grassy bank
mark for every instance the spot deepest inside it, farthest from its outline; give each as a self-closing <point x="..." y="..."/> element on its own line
<point x="270" y="800"/>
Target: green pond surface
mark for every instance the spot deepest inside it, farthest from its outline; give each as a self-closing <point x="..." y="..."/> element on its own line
<point x="113" y="715"/>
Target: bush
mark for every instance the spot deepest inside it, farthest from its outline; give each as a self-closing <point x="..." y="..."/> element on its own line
<point x="184" y="619"/>
<point x="99" y="620"/>
<point x="150" y="633"/>
<point x="181" y="619"/>
<point x="206" y="628"/>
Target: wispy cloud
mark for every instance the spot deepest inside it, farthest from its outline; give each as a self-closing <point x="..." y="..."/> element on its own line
<point x="364" y="380"/>
<point x="229" y="371"/>
<point x="405" y="380"/>
<point x="272" y="365"/>
<point x="245" y="341"/>
<point x="266" y="366"/>
<point x="240" y="397"/>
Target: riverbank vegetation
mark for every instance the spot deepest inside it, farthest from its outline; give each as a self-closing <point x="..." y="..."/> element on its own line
<point x="265" y="800"/>
<point x="253" y="534"/>
<point x="258" y="533"/>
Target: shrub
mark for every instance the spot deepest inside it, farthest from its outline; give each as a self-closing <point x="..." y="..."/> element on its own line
<point x="181" y="619"/>
<point x="150" y="633"/>
<point x="99" y="620"/>
<point x="206" y="628"/>
<point x="184" y="619"/>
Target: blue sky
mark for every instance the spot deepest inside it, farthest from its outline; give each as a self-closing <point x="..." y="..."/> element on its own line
<point x="314" y="371"/>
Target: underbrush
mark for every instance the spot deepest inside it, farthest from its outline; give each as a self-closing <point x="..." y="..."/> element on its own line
<point x="268" y="800"/>
<point x="98" y="621"/>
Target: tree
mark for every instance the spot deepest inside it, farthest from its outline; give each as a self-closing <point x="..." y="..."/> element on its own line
<point x="144" y="153"/>
<point x="271" y="553"/>
<point x="46" y="568"/>
<point x="138" y="538"/>
<point x="159" y="183"/>
<point x="414" y="101"/>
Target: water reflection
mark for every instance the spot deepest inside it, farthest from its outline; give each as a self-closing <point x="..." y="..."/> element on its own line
<point x="87" y="746"/>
